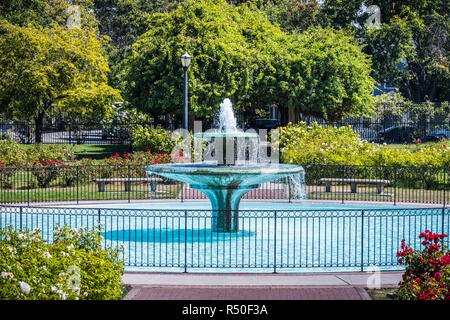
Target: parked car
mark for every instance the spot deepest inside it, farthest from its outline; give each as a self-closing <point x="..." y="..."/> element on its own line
<point x="396" y="134"/>
<point x="437" y="135"/>
<point x="267" y="124"/>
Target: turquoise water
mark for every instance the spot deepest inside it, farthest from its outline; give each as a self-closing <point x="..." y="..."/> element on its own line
<point x="272" y="236"/>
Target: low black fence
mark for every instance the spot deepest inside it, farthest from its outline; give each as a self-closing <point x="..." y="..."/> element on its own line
<point x="130" y="183"/>
<point x="378" y="130"/>
<point x="273" y="240"/>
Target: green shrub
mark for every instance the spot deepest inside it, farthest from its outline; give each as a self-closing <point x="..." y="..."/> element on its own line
<point x="74" y="266"/>
<point x="60" y="152"/>
<point x="155" y="140"/>
<point x="6" y="176"/>
<point x="12" y="154"/>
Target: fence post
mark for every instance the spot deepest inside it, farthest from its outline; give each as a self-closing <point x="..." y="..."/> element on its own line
<point x="182" y="187"/>
<point x="289" y="188"/>
<point x="99" y="213"/>
<point x="342" y="183"/>
<point x="28" y="186"/>
<point x="362" y="240"/>
<point x="395" y="186"/>
<point x="78" y="176"/>
<point x="21" y="208"/>
<point x="445" y="181"/>
<point x="185" y="241"/>
<point x="129" y="183"/>
<point x="275" y="245"/>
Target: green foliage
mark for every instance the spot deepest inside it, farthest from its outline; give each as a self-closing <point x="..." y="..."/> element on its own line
<point x="314" y="144"/>
<point x="293" y="15"/>
<point x="391" y="105"/>
<point x="226" y="44"/>
<point x="238" y="53"/>
<point x="73" y="267"/>
<point x="410" y="49"/>
<point x="335" y="72"/>
<point x="44" y="68"/>
<point x="46" y="12"/>
<point x="14" y="154"/>
<point x="155" y="140"/>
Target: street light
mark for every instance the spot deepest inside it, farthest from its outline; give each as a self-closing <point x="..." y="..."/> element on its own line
<point x="185" y="62"/>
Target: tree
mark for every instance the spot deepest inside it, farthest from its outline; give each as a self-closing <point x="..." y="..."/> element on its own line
<point x="238" y="53"/>
<point x="335" y="72"/>
<point x="409" y="50"/>
<point x="46" y="12"/>
<point x="233" y="48"/>
<point x="124" y="21"/>
<point x="44" y="68"/>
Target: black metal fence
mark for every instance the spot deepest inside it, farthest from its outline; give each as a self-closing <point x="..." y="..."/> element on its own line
<point x="130" y="182"/>
<point x="267" y="240"/>
<point x="399" y="130"/>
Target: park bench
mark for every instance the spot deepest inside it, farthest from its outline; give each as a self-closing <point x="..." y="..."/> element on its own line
<point x="354" y="182"/>
<point x="103" y="181"/>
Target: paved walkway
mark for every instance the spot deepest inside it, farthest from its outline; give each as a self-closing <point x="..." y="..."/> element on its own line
<point x="176" y="286"/>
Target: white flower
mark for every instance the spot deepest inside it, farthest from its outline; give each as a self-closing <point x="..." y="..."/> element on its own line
<point x="24" y="287"/>
<point x="65" y="254"/>
<point x="123" y="246"/>
<point x="46" y="255"/>
<point x="70" y="247"/>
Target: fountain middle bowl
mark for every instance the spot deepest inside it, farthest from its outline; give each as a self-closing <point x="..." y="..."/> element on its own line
<point x="215" y="176"/>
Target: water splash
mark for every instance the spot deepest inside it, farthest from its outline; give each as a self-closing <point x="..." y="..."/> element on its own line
<point x="298" y="186"/>
<point x="227" y="120"/>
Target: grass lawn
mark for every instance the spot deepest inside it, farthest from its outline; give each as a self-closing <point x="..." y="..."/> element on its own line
<point x="100" y="151"/>
<point x="97" y="151"/>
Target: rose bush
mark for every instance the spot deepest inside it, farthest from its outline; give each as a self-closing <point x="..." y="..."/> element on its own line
<point x="315" y="144"/>
<point x="427" y="274"/>
<point x="74" y="266"/>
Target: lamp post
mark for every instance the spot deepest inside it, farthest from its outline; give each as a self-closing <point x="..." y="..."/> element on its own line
<point x="185" y="62"/>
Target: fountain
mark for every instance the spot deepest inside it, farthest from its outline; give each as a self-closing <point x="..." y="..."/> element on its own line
<point x="227" y="180"/>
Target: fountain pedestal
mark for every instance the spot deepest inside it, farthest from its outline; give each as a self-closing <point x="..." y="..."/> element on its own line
<point x="225" y="205"/>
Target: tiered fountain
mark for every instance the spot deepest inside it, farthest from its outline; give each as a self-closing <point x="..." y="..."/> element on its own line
<point x="233" y="173"/>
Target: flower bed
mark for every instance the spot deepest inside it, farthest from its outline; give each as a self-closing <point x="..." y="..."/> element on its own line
<point x="74" y="266"/>
<point x="314" y="144"/>
<point x="427" y="275"/>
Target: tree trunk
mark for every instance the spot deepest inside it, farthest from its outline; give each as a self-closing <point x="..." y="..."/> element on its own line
<point x="39" y="124"/>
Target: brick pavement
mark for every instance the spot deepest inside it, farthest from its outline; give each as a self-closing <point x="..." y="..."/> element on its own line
<point x="337" y="286"/>
<point x="243" y="293"/>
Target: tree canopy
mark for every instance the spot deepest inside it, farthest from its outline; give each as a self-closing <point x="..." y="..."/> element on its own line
<point x="238" y="53"/>
<point x="53" y="67"/>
